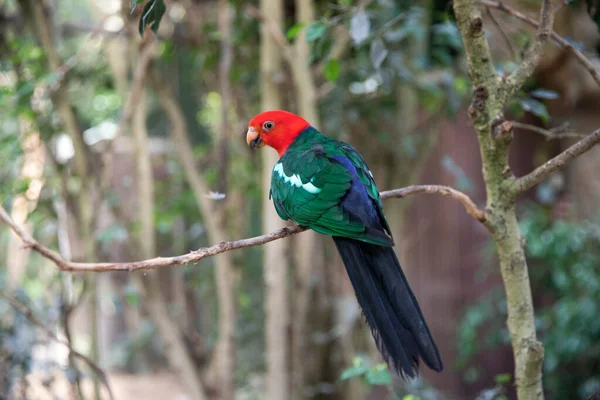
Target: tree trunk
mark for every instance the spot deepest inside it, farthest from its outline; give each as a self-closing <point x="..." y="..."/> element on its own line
<point x="148" y="283"/>
<point x="490" y="94"/>
<point x="39" y="22"/>
<point x="32" y="170"/>
<point x="275" y="253"/>
<point x="309" y="249"/>
<point x="225" y="353"/>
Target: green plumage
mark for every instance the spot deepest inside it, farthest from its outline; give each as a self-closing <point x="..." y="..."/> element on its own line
<point x="309" y="183"/>
<point x="326" y="185"/>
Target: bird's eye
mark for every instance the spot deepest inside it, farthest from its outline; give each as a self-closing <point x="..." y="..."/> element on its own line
<point x="267" y="126"/>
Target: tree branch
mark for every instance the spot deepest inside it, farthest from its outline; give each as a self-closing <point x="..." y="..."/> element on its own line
<point x="515" y="81"/>
<point x="28" y="313"/>
<point x="197" y="255"/>
<point x="490" y="94"/>
<point x="559" y="132"/>
<point x="505" y="37"/>
<point x="544" y="171"/>
<point x="592" y="69"/>
<point x="470" y="207"/>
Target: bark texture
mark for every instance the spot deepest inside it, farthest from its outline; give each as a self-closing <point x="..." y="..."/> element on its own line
<point x="490" y="94"/>
<point x="275" y="253"/>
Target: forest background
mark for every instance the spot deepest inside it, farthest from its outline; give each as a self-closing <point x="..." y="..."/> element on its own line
<point x="123" y="139"/>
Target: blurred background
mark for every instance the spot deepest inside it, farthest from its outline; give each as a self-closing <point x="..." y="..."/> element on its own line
<point x="117" y="147"/>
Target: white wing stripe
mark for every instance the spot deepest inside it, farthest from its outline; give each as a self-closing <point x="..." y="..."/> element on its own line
<point x="295" y="180"/>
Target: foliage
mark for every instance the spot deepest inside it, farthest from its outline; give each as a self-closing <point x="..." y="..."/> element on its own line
<point x="152" y="14"/>
<point x="372" y="374"/>
<point x="18" y="337"/>
<point x="532" y="102"/>
<point x="564" y="258"/>
<point x="394" y="48"/>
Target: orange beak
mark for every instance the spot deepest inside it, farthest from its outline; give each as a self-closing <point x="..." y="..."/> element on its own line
<point x="253" y="138"/>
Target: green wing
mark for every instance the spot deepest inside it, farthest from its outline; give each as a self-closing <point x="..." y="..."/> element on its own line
<point x="307" y="186"/>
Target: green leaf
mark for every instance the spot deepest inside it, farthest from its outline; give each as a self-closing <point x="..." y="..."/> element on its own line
<point x="535" y="107"/>
<point x="294" y="31"/>
<point x="358" y="368"/>
<point x="152" y="15"/>
<point x="332" y="70"/>
<point x="131" y="296"/>
<point x="315" y="31"/>
<point x="21" y="185"/>
<point x="352" y="372"/>
<point x="379" y="375"/>
<point x="544" y="94"/>
<point x="502" y="379"/>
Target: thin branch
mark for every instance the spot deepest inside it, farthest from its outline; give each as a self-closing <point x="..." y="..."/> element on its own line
<point x="550" y="134"/>
<point x="195" y="256"/>
<point x="465" y="200"/>
<point x="592" y="69"/>
<point x="544" y="171"/>
<point x="505" y="37"/>
<point x="28" y="313"/>
<point x="544" y="30"/>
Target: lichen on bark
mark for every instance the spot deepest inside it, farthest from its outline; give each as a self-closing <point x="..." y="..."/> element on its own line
<point x="490" y="94"/>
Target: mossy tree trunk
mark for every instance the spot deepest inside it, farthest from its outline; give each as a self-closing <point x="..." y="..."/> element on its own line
<point x="490" y="94"/>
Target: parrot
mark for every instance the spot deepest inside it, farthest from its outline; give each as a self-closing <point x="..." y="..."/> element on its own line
<point x="325" y="185"/>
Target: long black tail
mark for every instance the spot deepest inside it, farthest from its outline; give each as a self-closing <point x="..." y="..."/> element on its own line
<point x="390" y="307"/>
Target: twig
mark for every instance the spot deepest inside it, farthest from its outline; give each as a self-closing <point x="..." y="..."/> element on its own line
<point x="542" y="172"/>
<point x="504" y="35"/>
<point x="28" y="313"/>
<point x="195" y="256"/>
<point x="549" y="134"/>
<point x="465" y="200"/>
<point x="66" y="313"/>
<point x="386" y="26"/>
<point x="544" y="30"/>
<point x="592" y="69"/>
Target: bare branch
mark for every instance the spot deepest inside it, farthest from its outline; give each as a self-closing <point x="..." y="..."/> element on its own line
<point x="553" y="133"/>
<point x="28" y="313"/>
<point x="544" y="171"/>
<point x="592" y="69"/>
<point x="195" y="256"/>
<point x="505" y="37"/>
<point x="544" y="30"/>
<point x="466" y="201"/>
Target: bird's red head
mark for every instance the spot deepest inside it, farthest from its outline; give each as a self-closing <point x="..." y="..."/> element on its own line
<point x="276" y="129"/>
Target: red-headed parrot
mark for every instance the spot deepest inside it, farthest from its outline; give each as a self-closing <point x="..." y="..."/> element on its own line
<point x="326" y="185"/>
